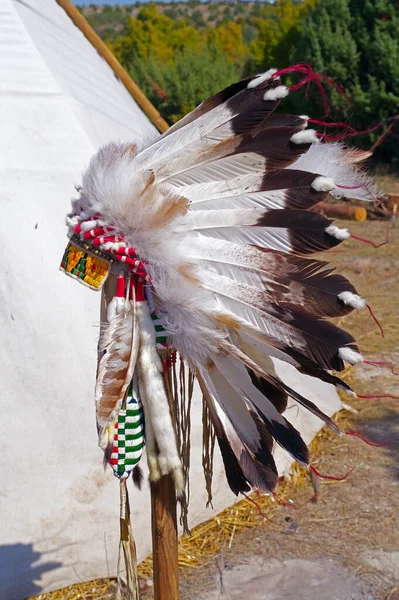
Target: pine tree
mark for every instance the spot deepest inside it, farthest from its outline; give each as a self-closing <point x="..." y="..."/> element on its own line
<point x="356" y="43"/>
<point x="278" y="26"/>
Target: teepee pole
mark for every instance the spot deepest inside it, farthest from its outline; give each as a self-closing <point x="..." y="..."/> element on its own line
<point x="95" y="40"/>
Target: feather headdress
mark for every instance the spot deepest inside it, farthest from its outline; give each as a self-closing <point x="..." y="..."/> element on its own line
<point x="210" y="231"/>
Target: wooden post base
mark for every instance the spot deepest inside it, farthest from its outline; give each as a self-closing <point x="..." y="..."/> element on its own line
<point x="164" y="539"/>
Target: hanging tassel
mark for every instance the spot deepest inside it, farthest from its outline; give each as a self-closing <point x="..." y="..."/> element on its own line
<point x="208" y="448"/>
<point x="183" y="387"/>
<point x="127" y="544"/>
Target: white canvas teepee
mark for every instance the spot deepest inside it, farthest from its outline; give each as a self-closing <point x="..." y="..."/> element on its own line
<point x="59" y="101"/>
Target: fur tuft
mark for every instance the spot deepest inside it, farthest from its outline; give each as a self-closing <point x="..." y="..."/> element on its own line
<point x="352" y="300"/>
<point x="278" y="93"/>
<point x="337" y="232"/>
<point x="307" y="136"/>
<point x="154" y="397"/>
<point x="323" y="184"/>
<point x="178" y="479"/>
<point x="261" y="78"/>
<point x="137" y="477"/>
<point x="350" y="356"/>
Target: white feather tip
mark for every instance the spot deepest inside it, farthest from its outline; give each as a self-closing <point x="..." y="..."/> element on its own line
<point x="352" y="300"/>
<point x="323" y="184"/>
<point x="350" y="356"/>
<point x="307" y="136"/>
<point x="115" y="307"/>
<point x="337" y="232"/>
<point x="281" y="91"/>
<point x="261" y="78"/>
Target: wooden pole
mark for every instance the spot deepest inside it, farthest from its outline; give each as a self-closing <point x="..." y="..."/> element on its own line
<point x="164" y="540"/>
<point x="165" y="565"/>
<point x="115" y="65"/>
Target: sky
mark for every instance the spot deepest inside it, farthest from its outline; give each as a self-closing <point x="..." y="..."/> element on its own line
<point x="109" y="2"/>
<point x="116" y="2"/>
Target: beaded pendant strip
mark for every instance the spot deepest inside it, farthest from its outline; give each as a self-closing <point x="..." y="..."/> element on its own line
<point x="129" y="435"/>
<point x="85" y="265"/>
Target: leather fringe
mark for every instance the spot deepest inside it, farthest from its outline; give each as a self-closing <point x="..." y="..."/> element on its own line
<point x="208" y="449"/>
<point x="128" y="546"/>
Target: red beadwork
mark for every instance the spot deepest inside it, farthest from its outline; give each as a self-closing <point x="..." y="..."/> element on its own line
<point x="127" y="255"/>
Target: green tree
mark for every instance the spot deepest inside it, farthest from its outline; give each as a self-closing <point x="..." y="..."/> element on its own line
<point x="198" y="18"/>
<point x="177" y="65"/>
<point x="177" y="88"/>
<point x="356" y="43"/>
<point x="157" y="35"/>
<point x="278" y="28"/>
<point x="227" y="38"/>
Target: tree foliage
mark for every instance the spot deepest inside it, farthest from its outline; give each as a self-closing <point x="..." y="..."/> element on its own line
<point x="176" y="64"/>
<point x="278" y="28"/>
<point x="180" y="60"/>
<point x="356" y="43"/>
<point x="177" y="88"/>
<point x="155" y="35"/>
<point x="182" y="52"/>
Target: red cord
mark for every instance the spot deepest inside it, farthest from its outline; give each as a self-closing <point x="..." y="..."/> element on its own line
<point x="375" y="320"/>
<point x="261" y="513"/>
<point x="350" y="132"/>
<point x="350" y="187"/>
<point x="305" y="69"/>
<point x="282" y="502"/>
<point x="377" y="396"/>
<point x="311" y="76"/>
<point x="381" y="363"/>
<point x="312" y="468"/>
<point x="366" y="241"/>
<point x="366" y="440"/>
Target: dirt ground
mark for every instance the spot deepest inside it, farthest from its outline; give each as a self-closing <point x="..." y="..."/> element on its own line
<point x="353" y="527"/>
<point x="355" y="521"/>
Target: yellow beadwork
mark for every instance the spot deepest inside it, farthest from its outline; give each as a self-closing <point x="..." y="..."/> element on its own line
<point x="85" y="267"/>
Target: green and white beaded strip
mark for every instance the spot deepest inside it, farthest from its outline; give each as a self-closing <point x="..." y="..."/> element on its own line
<point x="162" y="340"/>
<point x="129" y="435"/>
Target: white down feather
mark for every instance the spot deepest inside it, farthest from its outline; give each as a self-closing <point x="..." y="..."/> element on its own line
<point x="331" y="160"/>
